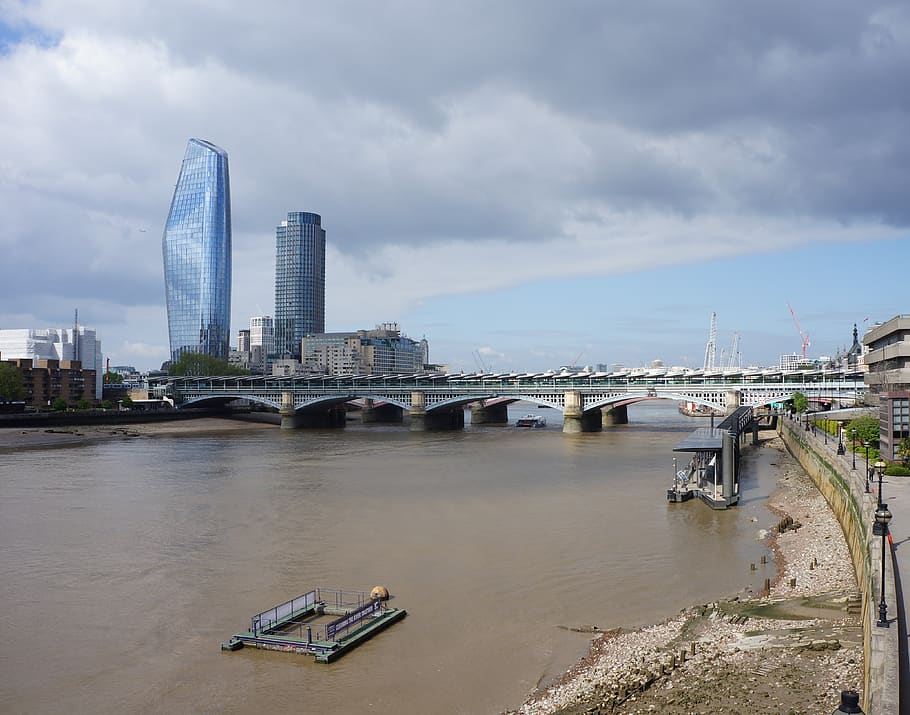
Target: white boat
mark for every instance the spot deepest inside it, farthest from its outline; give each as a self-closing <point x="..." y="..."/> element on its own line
<point x="531" y="421"/>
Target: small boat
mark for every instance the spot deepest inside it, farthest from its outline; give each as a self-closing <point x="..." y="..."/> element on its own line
<point x="531" y="421"/>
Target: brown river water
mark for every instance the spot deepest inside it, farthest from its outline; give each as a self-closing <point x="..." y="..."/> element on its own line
<point x="125" y="564"/>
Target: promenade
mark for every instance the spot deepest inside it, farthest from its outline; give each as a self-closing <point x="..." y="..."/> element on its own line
<point x="895" y="492"/>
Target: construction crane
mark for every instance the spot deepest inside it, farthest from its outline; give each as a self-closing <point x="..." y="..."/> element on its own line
<point x="803" y="338"/>
<point x="734" y="359"/>
<point x="711" y="347"/>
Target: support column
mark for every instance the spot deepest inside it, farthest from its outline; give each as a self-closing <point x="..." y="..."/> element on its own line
<point x="571" y="416"/>
<point x="288" y="413"/>
<point x="732" y="401"/>
<point x="616" y="415"/>
<point x="729" y="463"/>
<point x="418" y="412"/>
<point x="483" y="414"/>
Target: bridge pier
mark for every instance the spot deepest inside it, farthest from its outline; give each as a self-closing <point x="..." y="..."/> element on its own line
<point x="423" y="421"/>
<point x="483" y="414"/>
<point x="386" y="413"/>
<point x="287" y="411"/>
<point x="616" y="415"/>
<point x="732" y="401"/>
<point x="574" y="417"/>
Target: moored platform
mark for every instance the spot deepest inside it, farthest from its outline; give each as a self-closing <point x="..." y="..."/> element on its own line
<point x="324" y="623"/>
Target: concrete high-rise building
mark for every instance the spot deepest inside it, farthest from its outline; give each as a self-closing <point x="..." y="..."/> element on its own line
<point x="262" y="343"/>
<point x="299" y="281"/>
<point x="57" y="344"/>
<point x="197" y="254"/>
<point x="383" y="350"/>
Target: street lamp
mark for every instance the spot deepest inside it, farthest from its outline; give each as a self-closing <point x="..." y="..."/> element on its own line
<point x="849" y="703"/>
<point x="807" y="423"/>
<point x="825" y="428"/>
<point x="866" y="445"/>
<point x="882" y="517"/>
<point x="880" y="468"/>
<point x="853" y="445"/>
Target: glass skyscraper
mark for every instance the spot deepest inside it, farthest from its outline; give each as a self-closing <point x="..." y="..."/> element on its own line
<point x="299" y="281"/>
<point x="197" y="254"/>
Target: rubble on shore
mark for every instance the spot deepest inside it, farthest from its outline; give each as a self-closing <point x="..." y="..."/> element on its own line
<point x="789" y="651"/>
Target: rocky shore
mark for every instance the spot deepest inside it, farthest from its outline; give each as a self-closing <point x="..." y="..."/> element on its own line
<point x="788" y="651"/>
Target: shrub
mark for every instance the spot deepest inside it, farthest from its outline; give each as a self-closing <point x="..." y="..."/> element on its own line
<point x="897" y="470"/>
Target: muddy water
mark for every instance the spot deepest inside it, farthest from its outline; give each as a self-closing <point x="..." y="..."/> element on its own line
<point x="126" y="564"/>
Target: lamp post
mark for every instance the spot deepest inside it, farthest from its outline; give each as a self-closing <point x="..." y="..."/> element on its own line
<point x="825" y="428"/>
<point x="807" y="423"/>
<point x="866" y="445"/>
<point x="882" y="517"/>
<point x="849" y="703"/>
<point x="853" y="446"/>
<point x="880" y="468"/>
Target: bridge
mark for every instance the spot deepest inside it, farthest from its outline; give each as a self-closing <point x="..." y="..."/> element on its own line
<point x="588" y="400"/>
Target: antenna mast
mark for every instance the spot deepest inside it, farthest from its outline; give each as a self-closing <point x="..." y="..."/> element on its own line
<point x="711" y="347"/>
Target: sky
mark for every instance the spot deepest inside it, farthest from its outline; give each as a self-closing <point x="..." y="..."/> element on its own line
<point x="526" y="184"/>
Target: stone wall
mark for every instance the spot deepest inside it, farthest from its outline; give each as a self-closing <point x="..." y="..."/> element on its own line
<point x="844" y="490"/>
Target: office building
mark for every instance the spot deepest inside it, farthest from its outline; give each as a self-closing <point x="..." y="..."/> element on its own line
<point x="888" y="380"/>
<point x="262" y="343"/>
<point x="197" y="254"/>
<point x="45" y="380"/>
<point x="383" y="350"/>
<point x="299" y="281"/>
<point x="63" y="345"/>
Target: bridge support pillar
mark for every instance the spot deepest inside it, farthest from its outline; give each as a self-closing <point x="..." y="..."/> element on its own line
<point x="483" y="414"/>
<point x="572" y="414"/>
<point x="732" y="401"/>
<point x="616" y="415"/>
<point x="418" y="412"/>
<point x="288" y="413"/>
<point x="385" y="413"/>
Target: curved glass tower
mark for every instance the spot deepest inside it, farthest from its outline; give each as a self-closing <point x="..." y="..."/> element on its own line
<point x="197" y="254"/>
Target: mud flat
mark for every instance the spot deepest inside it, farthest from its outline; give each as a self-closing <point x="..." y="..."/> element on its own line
<point x="791" y="650"/>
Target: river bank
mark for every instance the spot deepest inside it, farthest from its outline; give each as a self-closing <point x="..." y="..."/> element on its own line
<point x="790" y="650"/>
<point x="14" y="438"/>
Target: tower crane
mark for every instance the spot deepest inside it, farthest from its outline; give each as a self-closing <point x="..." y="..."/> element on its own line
<point x="711" y="347"/>
<point x="803" y="338"/>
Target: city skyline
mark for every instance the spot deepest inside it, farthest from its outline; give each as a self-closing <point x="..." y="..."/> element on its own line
<point x="521" y="208"/>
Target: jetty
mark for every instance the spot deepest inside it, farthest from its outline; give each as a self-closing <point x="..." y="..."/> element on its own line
<point x="324" y="623"/>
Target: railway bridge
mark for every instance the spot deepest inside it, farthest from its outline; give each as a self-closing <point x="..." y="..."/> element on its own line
<point x="588" y="400"/>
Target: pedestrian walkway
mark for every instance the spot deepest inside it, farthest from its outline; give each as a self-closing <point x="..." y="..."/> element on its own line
<point x="895" y="492"/>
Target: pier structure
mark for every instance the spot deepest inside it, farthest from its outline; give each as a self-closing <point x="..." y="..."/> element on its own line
<point x="712" y="474"/>
<point x="324" y="623"/>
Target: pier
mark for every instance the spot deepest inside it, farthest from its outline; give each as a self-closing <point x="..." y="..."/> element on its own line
<point x="324" y="623"/>
<point x="712" y="474"/>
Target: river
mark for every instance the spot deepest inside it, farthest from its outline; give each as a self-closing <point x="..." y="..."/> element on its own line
<point x="126" y="563"/>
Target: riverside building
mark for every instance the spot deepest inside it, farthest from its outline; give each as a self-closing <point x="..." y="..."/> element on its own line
<point x="383" y="350"/>
<point x="197" y="254"/>
<point x="76" y="348"/>
<point x="888" y="361"/>
<point x="299" y="281"/>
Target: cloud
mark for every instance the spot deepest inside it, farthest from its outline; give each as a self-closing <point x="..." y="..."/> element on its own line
<point x="449" y="149"/>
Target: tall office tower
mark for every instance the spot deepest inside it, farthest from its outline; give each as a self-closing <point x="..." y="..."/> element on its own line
<point x="197" y="254"/>
<point x="299" y="281"/>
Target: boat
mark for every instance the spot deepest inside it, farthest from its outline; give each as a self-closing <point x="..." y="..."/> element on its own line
<point x="531" y="421"/>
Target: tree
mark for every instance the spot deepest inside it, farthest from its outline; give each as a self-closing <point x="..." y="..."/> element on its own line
<point x="113" y="378"/>
<point x="127" y="402"/>
<point x="11" y="389"/>
<point x="58" y="405"/>
<point x="800" y="402"/>
<point x="866" y="429"/>
<point x="903" y="450"/>
<point x="199" y="364"/>
<point x="105" y="405"/>
<point x="83" y="404"/>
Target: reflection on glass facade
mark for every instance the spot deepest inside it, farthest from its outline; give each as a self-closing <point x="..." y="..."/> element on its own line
<point x="197" y="254"/>
<point x="299" y="281"/>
